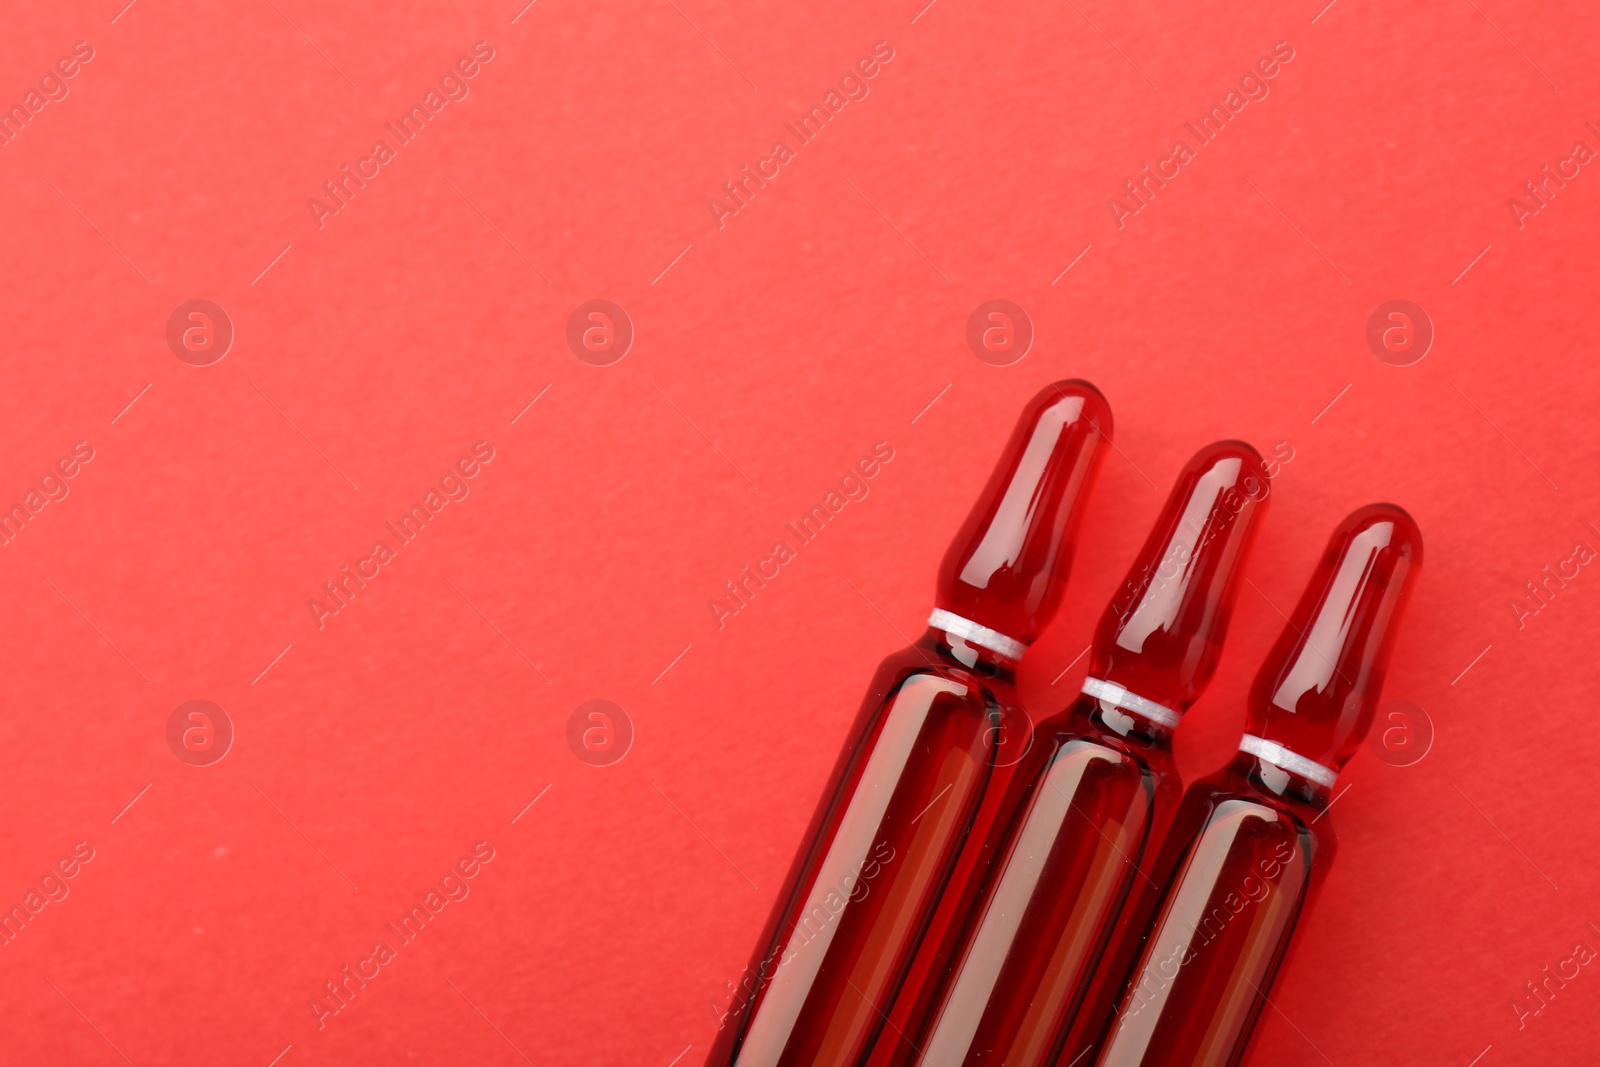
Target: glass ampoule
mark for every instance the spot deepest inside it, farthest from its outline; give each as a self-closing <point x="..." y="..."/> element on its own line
<point x="1096" y="790"/>
<point x="1251" y="842"/>
<point x="910" y="782"/>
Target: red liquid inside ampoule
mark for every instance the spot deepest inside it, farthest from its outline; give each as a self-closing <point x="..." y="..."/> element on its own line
<point x="887" y="837"/>
<point x="1094" y="790"/>
<point x="1251" y="841"/>
<point x="1221" y="931"/>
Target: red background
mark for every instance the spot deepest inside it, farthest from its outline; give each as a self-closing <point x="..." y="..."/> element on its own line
<point x="823" y="318"/>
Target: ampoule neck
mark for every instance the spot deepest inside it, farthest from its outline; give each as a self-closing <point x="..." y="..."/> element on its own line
<point x="962" y="653"/>
<point x="1112" y="709"/>
<point x="1119" y="723"/>
<point x="1265" y="776"/>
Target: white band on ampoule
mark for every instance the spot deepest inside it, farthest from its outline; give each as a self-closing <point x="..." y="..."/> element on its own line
<point x="976" y="634"/>
<point x="1112" y="693"/>
<point x="1289" y="760"/>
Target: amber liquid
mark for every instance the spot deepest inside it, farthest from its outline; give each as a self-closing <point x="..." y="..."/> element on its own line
<point x="1224" y="924"/>
<point x="881" y="850"/>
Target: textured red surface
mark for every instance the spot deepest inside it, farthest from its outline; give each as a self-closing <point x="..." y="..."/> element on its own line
<point x="768" y="358"/>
